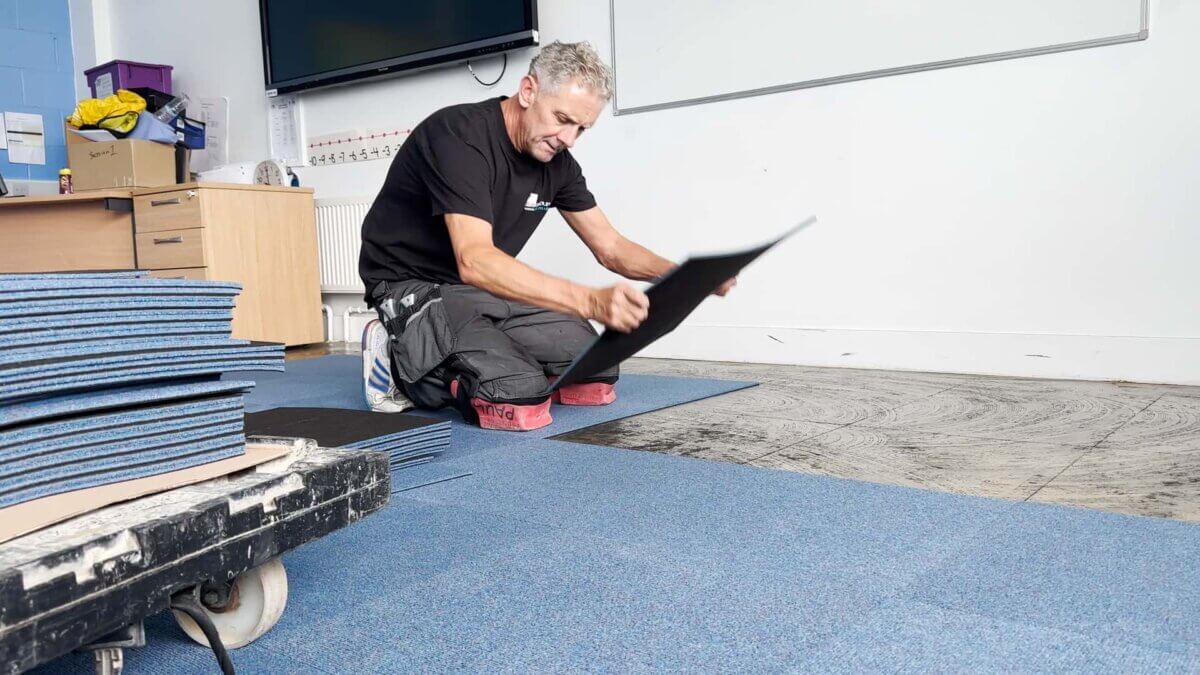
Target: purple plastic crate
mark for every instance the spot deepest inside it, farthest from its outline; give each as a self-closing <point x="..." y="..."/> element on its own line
<point x="106" y="78"/>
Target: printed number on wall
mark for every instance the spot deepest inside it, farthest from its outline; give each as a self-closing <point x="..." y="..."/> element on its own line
<point x="354" y="146"/>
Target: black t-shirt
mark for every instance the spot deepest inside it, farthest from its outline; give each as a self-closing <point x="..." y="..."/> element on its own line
<point x="461" y="160"/>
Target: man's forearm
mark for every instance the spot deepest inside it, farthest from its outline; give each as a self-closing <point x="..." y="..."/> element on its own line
<point x="634" y="261"/>
<point x="503" y="275"/>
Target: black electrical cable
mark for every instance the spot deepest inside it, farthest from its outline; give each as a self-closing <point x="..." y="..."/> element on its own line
<point x="493" y="82"/>
<point x="190" y="606"/>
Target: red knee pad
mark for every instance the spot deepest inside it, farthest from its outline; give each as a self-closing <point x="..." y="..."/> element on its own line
<point x="586" y="393"/>
<point x="507" y="416"/>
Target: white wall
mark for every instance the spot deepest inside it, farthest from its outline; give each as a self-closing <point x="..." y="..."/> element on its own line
<point x="214" y="47"/>
<point x="1030" y="217"/>
<point x="91" y="39"/>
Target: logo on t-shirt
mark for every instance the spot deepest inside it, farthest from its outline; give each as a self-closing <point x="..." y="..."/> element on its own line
<point x="532" y="204"/>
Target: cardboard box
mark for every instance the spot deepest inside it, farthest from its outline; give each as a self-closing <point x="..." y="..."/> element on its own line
<point x="99" y="165"/>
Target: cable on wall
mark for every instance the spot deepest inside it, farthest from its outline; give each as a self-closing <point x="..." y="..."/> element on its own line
<point x="493" y="82"/>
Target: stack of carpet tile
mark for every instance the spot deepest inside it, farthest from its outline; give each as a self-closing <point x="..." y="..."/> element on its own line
<point x="407" y="439"/>
<point x="109" y="377"/>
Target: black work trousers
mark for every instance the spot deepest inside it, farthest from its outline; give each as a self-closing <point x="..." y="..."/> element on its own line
<point x="498" y="350"/>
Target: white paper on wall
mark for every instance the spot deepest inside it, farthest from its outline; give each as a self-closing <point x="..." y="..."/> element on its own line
<point x="26" y="138"/>
<point x="214" y="113"/>
<point x="285" y="130"/>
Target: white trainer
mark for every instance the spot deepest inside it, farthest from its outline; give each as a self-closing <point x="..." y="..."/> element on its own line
<point x="381" y="393"/>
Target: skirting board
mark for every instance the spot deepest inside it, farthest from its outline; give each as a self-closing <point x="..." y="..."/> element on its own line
<point x="1164" y="360"/>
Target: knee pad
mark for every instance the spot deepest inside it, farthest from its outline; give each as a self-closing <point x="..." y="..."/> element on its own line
<point x="597" y="392"/>
<point x="501" y="416"/>
<point x="586" y="393"/>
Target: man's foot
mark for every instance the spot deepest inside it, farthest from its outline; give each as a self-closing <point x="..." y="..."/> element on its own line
<point x="507" y="416"/>
<point x="586" y="393"/>
<point x="378" y="389"/>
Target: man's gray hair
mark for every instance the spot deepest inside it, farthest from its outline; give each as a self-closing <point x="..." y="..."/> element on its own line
<point x="560" y="62"/>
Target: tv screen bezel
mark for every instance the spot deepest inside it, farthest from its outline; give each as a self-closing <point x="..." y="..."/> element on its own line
<point x="401" y="65"/>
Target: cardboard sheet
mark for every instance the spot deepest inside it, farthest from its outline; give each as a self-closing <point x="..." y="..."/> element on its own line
<point x="110" y="471"/>
<point x="39" y="513"/>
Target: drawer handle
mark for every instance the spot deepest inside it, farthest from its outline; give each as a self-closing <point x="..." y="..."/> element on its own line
<point x="178" y="239"/>
<point x="164" y="202"/>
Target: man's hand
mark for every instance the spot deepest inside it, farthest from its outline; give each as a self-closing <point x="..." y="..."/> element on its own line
<point x="621" y="307"/>
<point x="724" y="288"/>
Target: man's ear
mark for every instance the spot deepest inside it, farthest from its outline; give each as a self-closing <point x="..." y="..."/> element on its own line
<point x="527" y="92"/>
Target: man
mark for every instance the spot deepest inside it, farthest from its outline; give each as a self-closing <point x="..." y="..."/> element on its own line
<point x="462" y="321"/>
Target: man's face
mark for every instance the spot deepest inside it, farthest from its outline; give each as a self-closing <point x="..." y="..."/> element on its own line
<point x="553" y="121"/>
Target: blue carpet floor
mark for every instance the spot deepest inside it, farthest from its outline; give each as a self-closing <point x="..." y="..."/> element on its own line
<point x="554" y="556"/>
<point x="336" y="382"/>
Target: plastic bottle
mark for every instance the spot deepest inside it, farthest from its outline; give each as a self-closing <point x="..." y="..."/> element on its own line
<point x="172" y="109"/>
<point x="65" y="186"/>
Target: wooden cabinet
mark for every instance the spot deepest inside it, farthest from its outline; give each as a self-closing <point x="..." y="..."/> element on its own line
<point x="262" y="237"/>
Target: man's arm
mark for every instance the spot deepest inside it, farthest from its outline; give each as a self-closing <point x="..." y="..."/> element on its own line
<point x="613" y="250"/>
<point x="480" y="264"/>
<point x="618" y="254"/>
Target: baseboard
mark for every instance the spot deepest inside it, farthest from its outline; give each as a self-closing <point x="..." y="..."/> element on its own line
<point x="1167" y="360"/>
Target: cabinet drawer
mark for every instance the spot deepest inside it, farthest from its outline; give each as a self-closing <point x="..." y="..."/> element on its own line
<point x="178" y="210"/>
<point x="170" y="249"/>
<point x="199" y="273"/>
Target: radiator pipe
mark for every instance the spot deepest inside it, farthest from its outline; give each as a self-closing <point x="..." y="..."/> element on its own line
<point x="328" y="312"/>
<point x="352" y="311"/>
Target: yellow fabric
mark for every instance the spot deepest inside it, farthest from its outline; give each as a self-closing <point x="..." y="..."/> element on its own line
<point x="118" y="112"/>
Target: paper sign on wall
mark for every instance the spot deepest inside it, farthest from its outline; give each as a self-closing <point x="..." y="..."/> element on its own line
<point x="26" y="138"/>
<point x="214" y="113"/>
<point x="285" y="133"/>
<point x="3" y="135"/>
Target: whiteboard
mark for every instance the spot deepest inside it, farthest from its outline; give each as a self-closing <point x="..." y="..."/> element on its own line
<point x="669" y="53"/>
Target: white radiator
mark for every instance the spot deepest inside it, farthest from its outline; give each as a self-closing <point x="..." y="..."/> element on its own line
<point x="339" y="237"/>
